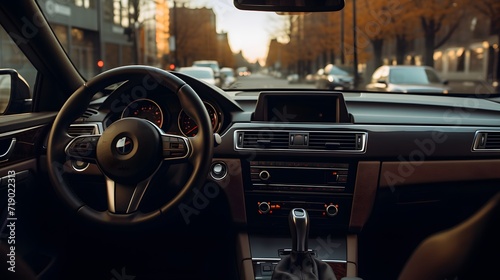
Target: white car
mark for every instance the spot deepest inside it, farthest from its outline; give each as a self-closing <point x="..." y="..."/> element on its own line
<point x="205" y="74"/>
<point x="228" y="76"/>
<point x="407" y="78"/>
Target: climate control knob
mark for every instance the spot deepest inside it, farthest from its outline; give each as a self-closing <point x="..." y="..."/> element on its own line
<point x="264" y="175"/>
<point x="332" y="210"/>
<point x="264" y="207"/>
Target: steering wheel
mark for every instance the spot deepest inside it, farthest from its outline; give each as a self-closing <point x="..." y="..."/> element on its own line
<point x="131" y="150"/>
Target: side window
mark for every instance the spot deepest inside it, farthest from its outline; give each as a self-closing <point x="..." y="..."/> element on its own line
<point x="11" y="57"/>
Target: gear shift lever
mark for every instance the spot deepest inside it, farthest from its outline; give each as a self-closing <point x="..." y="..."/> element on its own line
<point x="299" y="228"/>
<point x="300" y="264"/>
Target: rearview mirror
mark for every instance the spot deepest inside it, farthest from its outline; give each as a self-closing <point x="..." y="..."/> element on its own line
<point x="14" y="92"/>
<point x="290" y="5"/>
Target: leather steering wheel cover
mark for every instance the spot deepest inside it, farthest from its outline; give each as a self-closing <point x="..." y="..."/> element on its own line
<point x="202" y="143"/>
<point x="76" y="105"/>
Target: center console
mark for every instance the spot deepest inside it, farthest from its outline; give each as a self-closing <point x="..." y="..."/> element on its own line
<point x="276" y="187"/>
<point x="296" y="166"/>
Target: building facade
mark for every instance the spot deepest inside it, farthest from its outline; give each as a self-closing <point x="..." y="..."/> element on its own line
<point x="105" y="31"/>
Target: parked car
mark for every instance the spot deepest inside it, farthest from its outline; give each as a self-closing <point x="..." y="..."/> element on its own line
<point x="293" y="78"/>
<point x="215" y="67"/>
<point x="335" y="77"/>
<point x="228" y="76"/>
<point x="407" y="78"/>
<point x="201" y="73"/>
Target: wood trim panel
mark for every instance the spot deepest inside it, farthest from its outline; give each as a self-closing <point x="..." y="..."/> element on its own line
<point x="365" y="190"/>
<point x="352" y="255"/>
<point x="245" y="266"/>
<point x="395" y="174"/>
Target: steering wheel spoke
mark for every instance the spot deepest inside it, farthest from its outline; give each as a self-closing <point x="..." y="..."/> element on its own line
<point x="83" y="148"/>
<point x="123" y="198"/>
<point x="176" y="148"/>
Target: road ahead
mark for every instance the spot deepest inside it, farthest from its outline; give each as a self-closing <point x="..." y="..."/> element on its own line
<point x="262" y="81"/>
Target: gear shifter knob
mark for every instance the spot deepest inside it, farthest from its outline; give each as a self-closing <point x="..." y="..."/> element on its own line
<point x="299" y="229"/>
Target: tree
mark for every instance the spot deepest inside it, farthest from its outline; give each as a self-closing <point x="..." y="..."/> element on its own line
<point x="437" y="17"/>
<point x="195" y="34"/>
<point x="380" y="21"/>
<point x="491" y="9"/>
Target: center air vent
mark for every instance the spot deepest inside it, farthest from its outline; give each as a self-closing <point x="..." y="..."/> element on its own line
<point x="486" y="141"/>
<point x="335" y="141"/>
<point x="264" y="139"/>
<point x="83" y="129"/>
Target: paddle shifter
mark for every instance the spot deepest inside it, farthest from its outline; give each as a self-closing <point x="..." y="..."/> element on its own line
<point x="300" y="264"/>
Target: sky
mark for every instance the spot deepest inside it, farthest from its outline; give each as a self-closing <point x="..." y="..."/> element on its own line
<point x="248" y="31"/>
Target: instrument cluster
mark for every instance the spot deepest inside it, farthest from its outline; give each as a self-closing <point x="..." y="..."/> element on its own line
<point x="167" y="114"/>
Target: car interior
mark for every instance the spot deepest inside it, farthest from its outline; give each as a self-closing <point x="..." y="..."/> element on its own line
<point x="143" y="173"/>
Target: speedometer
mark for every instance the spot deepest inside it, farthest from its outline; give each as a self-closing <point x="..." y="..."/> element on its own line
<point x="189" y="128"/>
<point x="144" y="109"/>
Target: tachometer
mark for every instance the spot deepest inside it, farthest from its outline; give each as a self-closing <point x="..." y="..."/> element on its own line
<point x="144" y="109"/>
<point x="189" y="128"/>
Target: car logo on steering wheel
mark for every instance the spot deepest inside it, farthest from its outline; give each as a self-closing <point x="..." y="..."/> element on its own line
<point x="124" y="145"/>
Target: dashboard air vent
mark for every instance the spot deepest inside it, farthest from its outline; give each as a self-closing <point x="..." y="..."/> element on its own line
<point x="89" y="112"/>
<point x="486" y="141"/>
<point x="263" y="139"/>
<point x="312" y="141"/>
<point x="336" y="141"/>
<point x="82" y="129"/>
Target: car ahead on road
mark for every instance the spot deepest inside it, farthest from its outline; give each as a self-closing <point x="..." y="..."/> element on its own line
<point x="214" y="65"/>
<point x="204" y="74"/>
<point x="228" y="76"/>
<point x="134" y="172"/>
<point x="335" y="77"/>
<point x="421" y="79"/>
<point x="243" y="71"/>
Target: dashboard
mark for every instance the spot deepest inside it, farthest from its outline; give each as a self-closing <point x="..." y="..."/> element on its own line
<point x="355" y="161"/>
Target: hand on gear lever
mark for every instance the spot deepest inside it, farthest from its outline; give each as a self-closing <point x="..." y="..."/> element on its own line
<point x="300" y="264"/>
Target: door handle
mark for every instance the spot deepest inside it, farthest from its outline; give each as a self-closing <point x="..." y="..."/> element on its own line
<point x="5" y="155"/>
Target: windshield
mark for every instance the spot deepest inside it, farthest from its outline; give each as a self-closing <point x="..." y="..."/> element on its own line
<point x="458" y="39"/>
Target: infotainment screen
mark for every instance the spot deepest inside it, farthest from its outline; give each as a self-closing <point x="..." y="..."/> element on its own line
<point x="300" y="109"/>
<point x="291" y="107"/>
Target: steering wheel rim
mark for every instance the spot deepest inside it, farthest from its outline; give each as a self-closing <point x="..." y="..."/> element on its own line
<point x="201" y="145"/>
